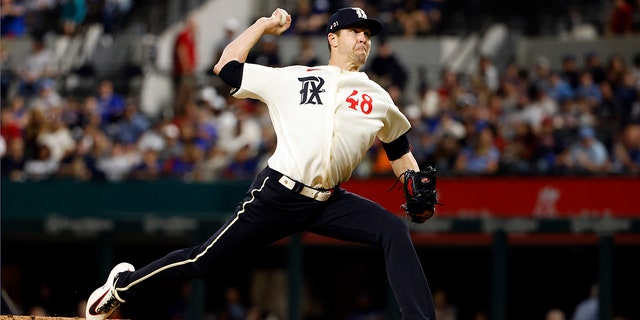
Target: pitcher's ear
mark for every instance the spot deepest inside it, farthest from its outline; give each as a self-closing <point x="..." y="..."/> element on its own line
<point x="332" y="38"/>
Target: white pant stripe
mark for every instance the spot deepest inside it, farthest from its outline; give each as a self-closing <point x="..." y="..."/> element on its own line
<point x="203" y="252"/>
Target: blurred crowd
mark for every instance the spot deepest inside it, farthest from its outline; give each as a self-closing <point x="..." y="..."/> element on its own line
<point x="403" y="18"/>
<point x="580" y="119"/>
<point x="418" y="18"/>
<point x="40" y="17"/>
<point x="406" y="18"/>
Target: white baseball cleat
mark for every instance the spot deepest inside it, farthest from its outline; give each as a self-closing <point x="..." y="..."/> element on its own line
<point x="102" y="302"/>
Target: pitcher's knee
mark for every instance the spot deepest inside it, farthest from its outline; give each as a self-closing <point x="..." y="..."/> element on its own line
<point x="395" y="227"/>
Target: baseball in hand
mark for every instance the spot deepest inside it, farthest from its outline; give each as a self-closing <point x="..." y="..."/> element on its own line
<point x="283" y="16"/>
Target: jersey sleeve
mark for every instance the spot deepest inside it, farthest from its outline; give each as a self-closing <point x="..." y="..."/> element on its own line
<point x="260" y="82"/>
<point x="395" y="125"/>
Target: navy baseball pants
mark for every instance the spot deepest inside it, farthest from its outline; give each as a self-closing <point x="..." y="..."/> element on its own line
<point x="271" y="212"/>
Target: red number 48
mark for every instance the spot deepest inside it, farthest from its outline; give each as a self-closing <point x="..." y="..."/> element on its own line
<point x="365" y="102"/>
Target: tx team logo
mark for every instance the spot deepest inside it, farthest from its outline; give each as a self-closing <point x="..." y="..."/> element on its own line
<point x="360" y="13"/>
<point x="311" y="89"/>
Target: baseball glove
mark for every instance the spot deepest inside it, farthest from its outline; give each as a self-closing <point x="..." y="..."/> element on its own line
<point x="420" y="194"/>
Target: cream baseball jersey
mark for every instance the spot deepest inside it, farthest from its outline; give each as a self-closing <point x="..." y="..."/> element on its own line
<point x="325" y="119"/>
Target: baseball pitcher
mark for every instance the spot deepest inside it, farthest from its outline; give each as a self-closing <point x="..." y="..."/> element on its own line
<point x="325" y="118"/>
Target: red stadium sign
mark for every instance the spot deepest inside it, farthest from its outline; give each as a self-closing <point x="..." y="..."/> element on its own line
<point x="519" y="197"/>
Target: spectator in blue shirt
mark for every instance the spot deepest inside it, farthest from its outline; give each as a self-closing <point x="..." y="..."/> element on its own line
<point x="111" y="105"/>
<point x="243" y="166"/>
<point x="559" y="88"/>
<point x="588" y="154"/>
<point x="481" y="156"/>
<point x="132" y="125"/>
<point x="13" y="22"/>
<point x="589" y="90"/>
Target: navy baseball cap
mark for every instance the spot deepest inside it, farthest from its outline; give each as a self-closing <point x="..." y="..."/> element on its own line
<point x="352" y="17"/>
